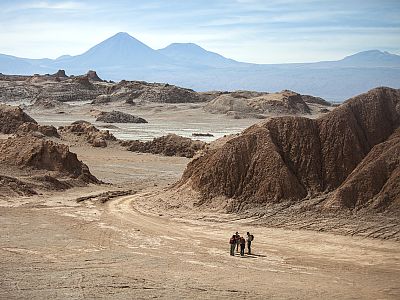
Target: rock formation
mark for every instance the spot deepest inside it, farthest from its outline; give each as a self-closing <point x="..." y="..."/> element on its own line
<point x="119" y="117"/>
<point x="315" y="100"/>
<point x="244" y="102"/>
<point x="93" y="135"/>
<point x="60" y="74"/>
<point x="12" y="117"/>
<point x="92" y="75"/>
<point x="38" y="154"/>
<point x="169" y="145"/>
<point x="152" y="92"/>
<point x="289" y="159"/>
<point x="29" y="128"/>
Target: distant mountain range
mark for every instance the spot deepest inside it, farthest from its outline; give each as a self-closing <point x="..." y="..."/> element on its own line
<point x="124" y="57"/>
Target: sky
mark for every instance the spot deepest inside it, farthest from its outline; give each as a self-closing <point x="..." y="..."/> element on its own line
<point x="258" y="31"/>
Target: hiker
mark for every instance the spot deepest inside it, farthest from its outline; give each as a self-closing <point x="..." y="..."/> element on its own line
<point x="237" y="237"/>
<point x="242" y="246"/>
<point x="250" y="238"/>
<point x="232" y="242"/>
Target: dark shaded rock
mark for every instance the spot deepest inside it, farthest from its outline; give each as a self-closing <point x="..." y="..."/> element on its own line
<point x="11" y="117"/>
<point x="92" y="75"/>
<point x="202" y="134"/>
<point x="93" y="135"/>
<point x="315" y="100"/>
<point x="46" y="130"/>
<point x="60" y="74"/>
<point x="31" y="152"/>
<point x="99" y="142"/>
<point x="119" y="117"/>
<point x="289" y="159"/>
<point x="169" y="145"/>
<point x="102" y="99"/>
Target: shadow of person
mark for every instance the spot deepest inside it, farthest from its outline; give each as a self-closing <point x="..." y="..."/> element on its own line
<point x="256" y="255"/>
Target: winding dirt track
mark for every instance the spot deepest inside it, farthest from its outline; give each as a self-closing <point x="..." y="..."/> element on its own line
<point x="118" y="250"/>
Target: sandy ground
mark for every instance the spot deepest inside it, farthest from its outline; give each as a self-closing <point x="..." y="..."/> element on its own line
<point x="91" y="250"/>
<point x="52" y="247"/>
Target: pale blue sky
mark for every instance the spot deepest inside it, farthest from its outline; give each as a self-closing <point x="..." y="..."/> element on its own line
<point x="261" y="31"/>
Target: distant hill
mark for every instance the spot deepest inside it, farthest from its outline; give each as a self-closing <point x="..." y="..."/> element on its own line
<point x="192" y="54"/>
<point x="186" y="64"/>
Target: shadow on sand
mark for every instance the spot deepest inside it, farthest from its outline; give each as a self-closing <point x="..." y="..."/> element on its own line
<point x="250" y="255"/>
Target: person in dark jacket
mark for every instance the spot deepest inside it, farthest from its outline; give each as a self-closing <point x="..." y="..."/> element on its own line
<point x="242" y="246"/>
<point x="237" y="237"/>
<point x="232" y="243"/>
<point x="250" y="238"/>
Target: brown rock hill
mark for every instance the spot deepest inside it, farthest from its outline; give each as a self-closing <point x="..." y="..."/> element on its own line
<point x="119" y="117"/>
<point x="38" y="154"/>
<point x="376" y="180"/>
<point x="169" y="145"/>
<point x="11" y="117"/>
<point x="292" y="158"/>
<point x="245" y="102"/>
<point x="93" y="135"/>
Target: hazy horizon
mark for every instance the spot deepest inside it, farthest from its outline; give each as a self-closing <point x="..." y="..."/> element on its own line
<point x="245" y="30"/>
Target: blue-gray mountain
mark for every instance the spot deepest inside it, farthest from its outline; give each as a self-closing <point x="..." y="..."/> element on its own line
<point x="124" y="57"/>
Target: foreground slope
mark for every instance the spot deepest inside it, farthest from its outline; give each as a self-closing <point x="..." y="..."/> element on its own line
<point x="290" y="159"/>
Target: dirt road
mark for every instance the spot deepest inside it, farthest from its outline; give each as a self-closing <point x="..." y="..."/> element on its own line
<point x="114" y="250"/>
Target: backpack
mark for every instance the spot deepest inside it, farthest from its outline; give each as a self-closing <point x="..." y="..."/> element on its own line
<point x="232" y="241"/>
<point x="251" y="237"/>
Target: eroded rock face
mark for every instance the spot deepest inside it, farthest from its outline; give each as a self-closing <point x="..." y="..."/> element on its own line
<point x="92" y="135"/>
<point x="290" y="158"/>
<point x="92" y="75"/>
<point x="60" y="74"/>
<point x="245" y="102"/>
<point x="46" y="130"/>
<point x="42" y="154"/>
<point x="14" y="187"/>
<point x="129" y="91"/>
<point x="315" y="100"/>
<point x="375" y="182"/>
<point x="119" y="117"/>
<point x="11" y="117"/>
<point x="169" y="145"/>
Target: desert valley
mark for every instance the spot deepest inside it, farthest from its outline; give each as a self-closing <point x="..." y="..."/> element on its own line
<point x="132" y="189"/>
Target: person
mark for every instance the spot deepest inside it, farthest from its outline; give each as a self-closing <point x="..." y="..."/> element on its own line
<point x="250" y="238"/>
<point x="237" y="237"/>
<point x="242" y="246"/>
<point x="232" y="242"/>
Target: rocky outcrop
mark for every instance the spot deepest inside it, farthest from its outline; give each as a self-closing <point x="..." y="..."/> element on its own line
<point x="169" y="145"/>
<point x="245" y="102"/>
<point x="375" y="182"/>
<point x="12" y="117"/>
<point x="129" y="91"/>
<point x="292" y="158"/>
<point x="92" y="75"/>
<point x="315" y="100"/>
<point x="102" y="99"/>
<point x="60" y="74"/>
<point x="46" y="130"/>
<point x="169" y="94"/>
<point x="39" y="154"/>
<point x="119" y="117"/>
<point x="93" y="135"/>
<point x="44" y="104"/>
<point x="10" y="186"/>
